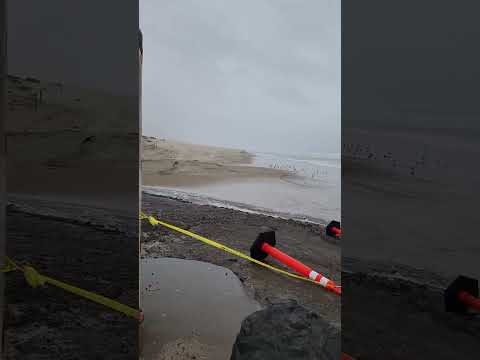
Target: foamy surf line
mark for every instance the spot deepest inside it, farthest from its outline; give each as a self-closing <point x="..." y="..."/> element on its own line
<point x="199" y="199"/>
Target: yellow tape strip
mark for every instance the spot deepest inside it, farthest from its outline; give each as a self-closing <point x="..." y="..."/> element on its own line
<point x="35" y="279"/>
<point x="154" y="221"/>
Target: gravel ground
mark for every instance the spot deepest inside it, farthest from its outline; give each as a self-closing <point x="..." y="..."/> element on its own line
<point x="387" y="317"/>
<point x="49" y="323"/>
<point x="305" y="242"/>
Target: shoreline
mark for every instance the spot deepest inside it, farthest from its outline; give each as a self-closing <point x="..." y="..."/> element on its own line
<point x="241" y="180"/>
<point x="198" y="199"/>
<point x="238" y="230"/>
<point x="375" y="285"/>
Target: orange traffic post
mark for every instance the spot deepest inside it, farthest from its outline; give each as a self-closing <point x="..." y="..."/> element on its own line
<point x="333" y="229"/>
<point x="470" y="301"/>
<point x="336" y="231"/>
<point x="462" y="295"/>
<point x="264" y="245"/>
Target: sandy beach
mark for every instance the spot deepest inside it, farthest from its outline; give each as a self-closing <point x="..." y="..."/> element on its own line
<point x="430" y="194"/>
<point x="220" y="172"/>
<point x="299" y="186"/>
<point x="48" y="322"/>
<point x="172" y="163"/>
<point x="377" y="279"/>
<point x="58" y="135"/>
<point x="398" y="260"/>
<point x="400" y="314"/>
<point x="238" y="230"/>
<point x="72" y="185"/>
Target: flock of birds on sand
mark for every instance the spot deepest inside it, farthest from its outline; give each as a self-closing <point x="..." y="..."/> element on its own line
<point x="308" y="171"/>
<point x="366" y="153"/>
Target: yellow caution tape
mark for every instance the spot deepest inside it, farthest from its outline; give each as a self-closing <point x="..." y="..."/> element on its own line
<point x="154" y="222"/>
<point x="8" y="266"/>
<point x="35" y="279"/>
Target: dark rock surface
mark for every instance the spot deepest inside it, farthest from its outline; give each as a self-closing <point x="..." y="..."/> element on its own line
<point x="286" y="331"/>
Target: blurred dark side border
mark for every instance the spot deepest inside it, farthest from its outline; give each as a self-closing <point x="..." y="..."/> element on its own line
<point x="3" y="72"/>
<point x="410" y="176"/>
<point x="72" y="144"/>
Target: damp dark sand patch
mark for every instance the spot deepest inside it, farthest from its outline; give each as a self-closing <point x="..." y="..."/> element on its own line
<point x="193" y="310"/>
<point x="238" y="230"/>
<point x="49" y="323"/>
<point x="399" y="318"/>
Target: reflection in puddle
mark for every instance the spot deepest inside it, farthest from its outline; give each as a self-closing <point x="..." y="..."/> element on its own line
<point x="193" y="310"/>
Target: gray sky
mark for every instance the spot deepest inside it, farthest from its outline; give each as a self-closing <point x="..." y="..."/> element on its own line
<point x="259" y="74"/>
<point x="70" y="42"/>
<point x="410" y="64"/>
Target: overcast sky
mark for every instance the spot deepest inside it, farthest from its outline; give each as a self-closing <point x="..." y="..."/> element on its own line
<point x="411" y="64"/>
<point x="70" y="42"/>
<point x="258" y="75"/>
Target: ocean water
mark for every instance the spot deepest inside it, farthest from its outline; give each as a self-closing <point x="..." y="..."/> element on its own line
<point x="311" y="192"/>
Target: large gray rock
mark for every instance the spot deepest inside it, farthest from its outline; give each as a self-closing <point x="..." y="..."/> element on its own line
<point x="286" y="331"/>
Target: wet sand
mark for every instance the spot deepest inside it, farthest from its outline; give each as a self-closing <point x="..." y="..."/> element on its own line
<point x="292" y="186"/>
<point x="425" y="218"/>
<point x="232" y="176"/>
<point x="276" y="197"/>
<point x="72" y="177"/>
<point x="402" y="319"/>
<point x="397" y="260"/>
<point x="51" y="323"/>
<point x="238" y="230"/>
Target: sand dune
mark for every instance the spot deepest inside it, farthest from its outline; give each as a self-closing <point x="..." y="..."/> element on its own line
<point x="172" y="163"/>
<point x="58" y="134"/>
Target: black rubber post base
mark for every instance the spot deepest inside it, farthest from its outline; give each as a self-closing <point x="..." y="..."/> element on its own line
<point x="332" y="224"/>
<point x="462" y="283"/>
<point x="266" y="236"/>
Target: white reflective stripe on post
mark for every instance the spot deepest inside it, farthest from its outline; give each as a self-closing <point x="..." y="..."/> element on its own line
<point x="324" y="281"/>
<point x="313" y="275"/>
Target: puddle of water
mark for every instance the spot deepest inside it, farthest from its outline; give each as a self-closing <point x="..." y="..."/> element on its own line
<point x="185" y="302"/>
